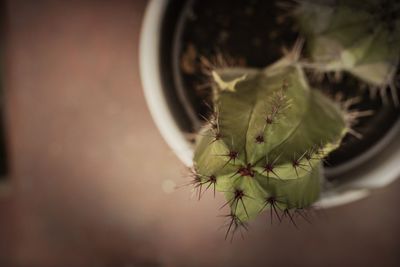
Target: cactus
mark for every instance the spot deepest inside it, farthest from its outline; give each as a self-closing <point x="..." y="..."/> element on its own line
<point x="359" y="37"/>
<point x="265" y="140"/>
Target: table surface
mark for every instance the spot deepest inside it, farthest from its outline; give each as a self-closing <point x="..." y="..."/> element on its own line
<point x="90" y="172"/>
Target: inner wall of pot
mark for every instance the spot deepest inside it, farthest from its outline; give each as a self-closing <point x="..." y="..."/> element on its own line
<point x="192" y="28"/>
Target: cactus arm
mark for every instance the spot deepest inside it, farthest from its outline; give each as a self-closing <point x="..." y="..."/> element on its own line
<point x="359" y="37"/>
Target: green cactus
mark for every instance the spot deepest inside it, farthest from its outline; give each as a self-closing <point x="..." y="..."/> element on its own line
<point x="263" y="145"/>
<point x="359" y="37"/>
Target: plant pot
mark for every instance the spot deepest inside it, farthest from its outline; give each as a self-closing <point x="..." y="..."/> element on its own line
<point x="364" y="165"/>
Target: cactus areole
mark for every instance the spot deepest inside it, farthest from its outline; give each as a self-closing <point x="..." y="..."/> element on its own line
<point x="265" y="139"/>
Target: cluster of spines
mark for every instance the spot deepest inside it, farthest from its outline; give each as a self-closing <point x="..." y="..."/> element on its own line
<point x="198" y="181"/>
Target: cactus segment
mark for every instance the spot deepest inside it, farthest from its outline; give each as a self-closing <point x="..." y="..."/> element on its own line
<point x="360" y="37"/>
<point x="264" y="143"/>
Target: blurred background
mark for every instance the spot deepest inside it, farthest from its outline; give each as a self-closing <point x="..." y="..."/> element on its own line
<point x="89" y="180"/>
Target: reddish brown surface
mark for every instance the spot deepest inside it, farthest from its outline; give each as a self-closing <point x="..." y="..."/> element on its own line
<point x="88" y="163"/>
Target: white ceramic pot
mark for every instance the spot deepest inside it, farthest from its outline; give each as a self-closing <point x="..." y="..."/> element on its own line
<point x="376" y="168"/>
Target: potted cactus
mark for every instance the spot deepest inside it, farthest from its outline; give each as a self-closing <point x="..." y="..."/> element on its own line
<point x="282" y="137"/>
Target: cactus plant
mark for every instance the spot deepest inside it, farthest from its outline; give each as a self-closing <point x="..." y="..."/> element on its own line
<point x="359" y="37"/>
<point x="265" y="140"/>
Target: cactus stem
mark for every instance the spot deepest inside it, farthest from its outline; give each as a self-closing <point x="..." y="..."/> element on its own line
<point x="268" y="117"/>
<point x="332" y="41"/>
